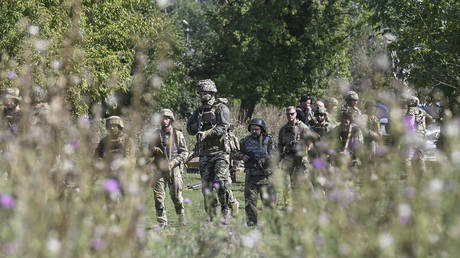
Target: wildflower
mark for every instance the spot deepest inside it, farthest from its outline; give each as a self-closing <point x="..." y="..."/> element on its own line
<point x="97" y="244"/>
<point x="34" y="29"/>
<point x="251" y="239"/>
<point x="223" y="220"/>
<point x="404" y="213"/>
<point x="331" y="151"/>
<point x="187" y="200"/>
<point x="41" y="45"/>
<point x="216" y="185"/>
<point x="6" y="201"/>
<point x="56" y="64"/>
<point x="140" y="233"/>
<point x="12" y="75"/>
<point x="380" y="150"/>
<point x="53" y="245"/>
<point x="207" y="191"/>
<point x="410" y="192"/>
<point x="273" y="197"/>
<point x="111" y="185"/>
<point x="409" y="124"/>
<point x="385" y="240"/>
<point x="436" y="185"/>
<point x="318" y="163"/>
<point x="84" y="122"/>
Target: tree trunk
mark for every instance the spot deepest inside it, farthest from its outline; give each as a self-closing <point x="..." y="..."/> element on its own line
<point x="246" y="110"/>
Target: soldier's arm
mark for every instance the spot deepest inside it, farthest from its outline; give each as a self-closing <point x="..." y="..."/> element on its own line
<point x="182" y="148"/>
<point x="238" y="155"/>
<point x="192" y="123"/>
<point x="272" y="148"/>
<point x="222" y="121"/>
<point x="280" y="143"/>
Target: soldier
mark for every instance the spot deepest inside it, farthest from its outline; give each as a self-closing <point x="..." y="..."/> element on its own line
<point x="170" y="151"/>
<point x="294" y="141"/>
<point x="116" y="150"/>
<point x="40" y="106"/>
<point x="210" y="122"/>
<point x="322" y="126"/>
<point x="257" y="151"/>
<point x="351" y="106"/>
<point x="348" y="136"/>
<point x="415" y="122"/>
<point x="304" y="110"/>
<point x="372" y="133"/>
<point x="12" y="113"/>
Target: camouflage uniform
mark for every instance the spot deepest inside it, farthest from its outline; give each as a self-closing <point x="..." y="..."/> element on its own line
<point x="322" y="129"/>
<point x="294" y="141"/>
<point x="212" y="120"/>
<point x="172" y="144"/>
<point x="347" y="108"/>
<point x="261" y="151"/>
<point x="11" y="115"/>
<point x="372" y="134"/>
<point x="40" y="106"/>
<point x="332" y="105"/>
<point x="415" y="122"/>
<point x="115" y="151"/>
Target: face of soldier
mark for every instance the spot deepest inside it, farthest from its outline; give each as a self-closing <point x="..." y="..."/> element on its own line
<point x="353" y="102"/>
<point x="165" y="122"/>
<point x="291" y="115"/>
<point x="320" y="117"/>
<point x="306" y="103"/>
<point x="205" y="96"/>
<point x="256" y="131"/>
<point x="114" y="130"/>
<point x="346" y="121"/>
<point x="11" y="103"/>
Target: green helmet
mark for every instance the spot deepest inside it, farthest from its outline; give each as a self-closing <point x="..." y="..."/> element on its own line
<point x="11" y="93"/>
<point x="331" y="101"/>
<point x="413" y="101"/>
<point x="167" y="113"/>
<point x="115" y="120"/>
<point x="351" y="95"/>
<point x="259" y="122"/>
<point x="370" y="103"/>
<point x="320" y="110"/>
<point x="207" y="86"/>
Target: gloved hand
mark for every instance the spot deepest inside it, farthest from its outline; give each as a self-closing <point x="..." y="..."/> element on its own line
<point x="157" y="151"/>
<point x="172" y="164"/>
<point x="204" y="134"/>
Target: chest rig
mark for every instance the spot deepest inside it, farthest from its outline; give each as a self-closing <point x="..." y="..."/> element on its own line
<point x="208" y="116"/>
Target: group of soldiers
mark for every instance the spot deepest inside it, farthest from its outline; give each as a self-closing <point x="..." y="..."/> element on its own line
<point x="313" y="132"/>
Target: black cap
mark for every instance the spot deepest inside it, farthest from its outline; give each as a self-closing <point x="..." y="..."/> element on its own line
<point x="304" y="98"/>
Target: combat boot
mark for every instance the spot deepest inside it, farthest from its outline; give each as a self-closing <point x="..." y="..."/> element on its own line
<point x="225" y="217"/>
<point x="182" y="220"/>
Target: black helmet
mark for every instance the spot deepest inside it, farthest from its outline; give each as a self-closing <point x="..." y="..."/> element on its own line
<point x="258" y="121"/>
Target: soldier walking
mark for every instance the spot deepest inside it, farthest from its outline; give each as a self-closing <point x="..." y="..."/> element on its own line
<point x="210" y="122"/>
<point x="169" y="150"/>
<point x="351" y="106"/>
<point x="304" y="109"/>
<point x="257" y="152"/>
<point x="12" y="112"/>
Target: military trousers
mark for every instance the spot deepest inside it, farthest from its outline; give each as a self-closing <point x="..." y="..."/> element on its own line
<point x="162" y="179"/>
<point x="215" y="176"/>
<point x="257" y="186"/>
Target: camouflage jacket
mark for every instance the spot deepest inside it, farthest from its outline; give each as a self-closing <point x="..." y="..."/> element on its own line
<point x="175" y="147"/>
<point x="295" y="139"/>
<point x="11" y="121"/>
<point x="322" y="130"/>
<point x="417" y="118"/>
<point x="261" y="151"/>
<point x="110" y="149"/>
<point x="354" y="110"/>
<point x="215" y="120"/>
<point x="347" y="138"/>
<point x="371" y="131"/>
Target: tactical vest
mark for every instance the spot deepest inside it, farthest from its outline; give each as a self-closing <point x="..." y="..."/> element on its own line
<point x="208" y="120"/>
<point x="417" y="116"/>
<point x="256" y="149"/>
<point x="172" y="150"/>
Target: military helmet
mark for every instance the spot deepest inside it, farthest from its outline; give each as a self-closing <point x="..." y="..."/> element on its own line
<point x="167" y="113"/>
<point x="38" y="94"/>
<point x="320" y="110"/>
<point x="413" y="101"/>
<point x="351" y="95"/>
<point x="11" y="93"/>
<point x="259" y="122"/>
<point x="115" y="120"/>
<point x="207" y="86"/>
<point x="370" y="103"/>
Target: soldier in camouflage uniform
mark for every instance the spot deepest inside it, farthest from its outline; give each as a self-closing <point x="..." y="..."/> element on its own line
<point x="372" y="133"/>
<point x="304" y="109"/>
<point x="169" y="150"/>
<point x="321" y="126"/>
<point x="210" y="122"/>
<point x="40" y="106"/>
<point x="415" y="122"/>
<point x="12" y="113"/>
<point x="351" y="106"/>
<point x="116" y="150"/>
<point x="348" y="137"/>
<point x="257" y="151"/>
<point x="294" y="141"/>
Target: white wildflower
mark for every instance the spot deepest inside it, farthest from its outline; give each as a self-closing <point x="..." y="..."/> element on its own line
<point x="41" y="45"/>
<point x="251" y="239"/>
<point x="53" y="245"/>
<point x="436" y="185"/>
<point x="34" y="29"/>
<point x="385" y="240"/>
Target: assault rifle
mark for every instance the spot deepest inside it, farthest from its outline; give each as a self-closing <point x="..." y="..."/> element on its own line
<point x="195" y="186"/>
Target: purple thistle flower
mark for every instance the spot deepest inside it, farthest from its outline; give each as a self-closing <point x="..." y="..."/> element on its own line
<point x="410" y="192"/>
<point x="409" y="124"/>
<point x="187" y="200"/>
<point x="140" y="233"/>
<point x="380" y="150"/>
<point x="354" y="144"/>
<point x="6" y="201"/>
<point x="319" y="163"/>
<point x="216" y="185"/>
<point x="75" y="143"/>
<point x="97" y="244"/>
<point x="207" y="191"/>
<point x="223" y="220"/>
<point x="12" y="75"/>
<point x="111" y="185"/>
<point x="274" y="198"/>
<point x="331" y="151"/>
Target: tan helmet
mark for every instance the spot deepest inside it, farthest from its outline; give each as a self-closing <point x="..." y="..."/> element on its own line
<point x="167" y="112"/>
<point x="351" y="95"/>
<point x="413" y="101"/>
<point x="114" y="120"/>
<point x="207" y="86"/>
<point x="11" y="93"/>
